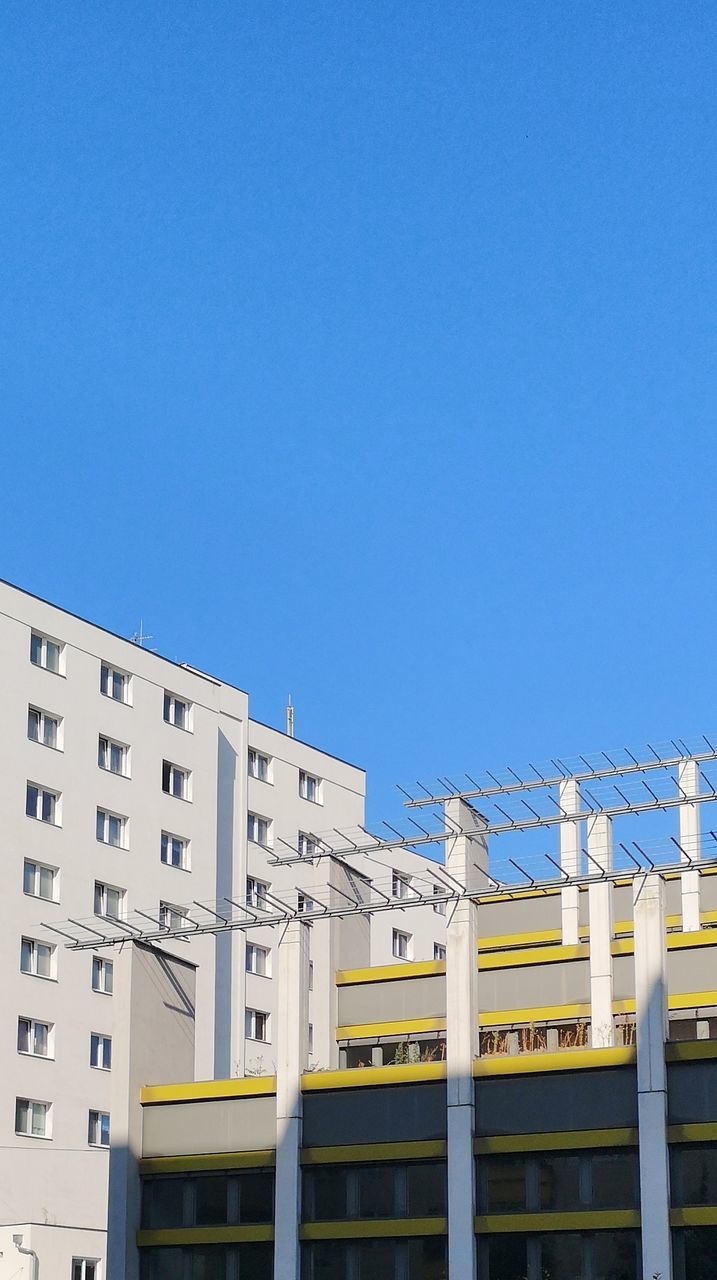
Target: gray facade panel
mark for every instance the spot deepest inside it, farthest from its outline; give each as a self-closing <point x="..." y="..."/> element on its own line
<point x="199" y="1128"/>
<point x="623" y="977"/>
<point x="400" y="1113"/>
<point x="708" y="893"/>
<point x="566" y="982"/>
<point x="691" y="970"/>
<point x="692" y="1092"/>
<point x="393" y="1001"/>
<point x="557" y="1101"/>
<point x="523" y="915"/>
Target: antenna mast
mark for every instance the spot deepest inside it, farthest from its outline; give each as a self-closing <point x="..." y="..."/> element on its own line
<point x="289" y="718"/>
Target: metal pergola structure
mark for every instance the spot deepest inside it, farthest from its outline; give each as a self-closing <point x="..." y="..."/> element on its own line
<point x="368" y="883"/>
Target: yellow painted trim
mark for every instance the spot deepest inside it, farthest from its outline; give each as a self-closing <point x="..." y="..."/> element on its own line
<point x="208" y="1090"/>
<point x="532" y="955"/>
<point x="365" y="1030"/>
<point x="539" y="1013"/>
<point x="622" y="947"/>
<point x="564" y="1060"/>
<point x="692" y="1132"/>
<point x="374" y="1151"/>
<point x="363" y="1077"/>
<point x="573" y="1140"/>
<point x="265" y="1159"/>
<point x="375" y="1229"/>
<point x="702" y="1216"/>
<point x="583" y="1220"/>
<point x="203" y="1235"/>
<point x="688" y="941"/>
<point x="623" y="1006"/>
<point x="690" y="1050"/>
<point x="501" y="941"/>
<point x="693" y="1000"/>
<point x="390" y="972"/>
<point x="513" y="897"/>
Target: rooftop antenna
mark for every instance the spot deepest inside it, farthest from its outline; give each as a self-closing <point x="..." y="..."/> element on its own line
<point x="289" y="718"/>
<point x="139" y="637"/>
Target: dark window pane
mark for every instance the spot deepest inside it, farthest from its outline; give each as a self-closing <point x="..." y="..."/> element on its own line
<point x="507" y="1257"/>
<point x="502" y="1184"/>
<point x="427" y="1259"/>
<point x="559" y="1182"/>
<point x="614" y="1255"/>
<point x="162" y="1264"/>
<point x="615" y="1180"/>
<point x="328" y="1188"/>
<point x="376" y="1191"/>
<point x="211" y="1200"/>
<point x="426" y="1186"/>
<point x="694" y="1177"/>
<point x="166" y="773"/>
<point x="256" y="1197"/>
<point x="561" y="1256"/>
<point x="700" y="1244"/>
<point x="377" y="1258"/>
<point x="162" y="1202"/>
<point x="324" y="1260"/>
<point x="208" y="1262"/>
<point x="256" y="1261"/>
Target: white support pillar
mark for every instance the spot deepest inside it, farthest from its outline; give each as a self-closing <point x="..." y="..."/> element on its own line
<point x="466" y="857"/>
<point x="600" y="928"/>
<point x="651" y="1008"/>
<point x="688" y="778"/>
<point x="292" y="1019"/>
<point x="569" y="800"/>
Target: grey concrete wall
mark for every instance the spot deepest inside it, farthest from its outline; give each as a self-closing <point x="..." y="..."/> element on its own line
<point x="565" y="982"/>
<point x="522" y="915"/>
<point x="393" y="1001"/>
<point x="200" y="1128"/>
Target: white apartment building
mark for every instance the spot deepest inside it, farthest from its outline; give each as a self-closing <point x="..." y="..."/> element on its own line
<point x="131" y="783"/>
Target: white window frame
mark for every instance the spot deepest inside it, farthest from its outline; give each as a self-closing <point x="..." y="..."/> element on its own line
<point x="35" y="869"/>
<point x="169" y="711"/>
<point x="256" y="891"/>
<point x="45" y="641"/>
<point x="167" y="842"/>
<point x="33" y="1024"/>
<point x="104" y="821"/>
<point x="400" y="885"/>
<point x="309" y="782"/>
<point x="307" y="845"/>
<point x="256" y="826"/>
<point x="256" y="1020"/>
<point x="44" y="719"/>
<point x="253" y="952"/>
<point x="258" y="765"/>
<point x="107" y="750"/>
<point x="304" y="902"/>
<point x="173" y="773"/>
<point x="401" y="944"/>
<point x="439" y="907"/>
<point x="42" y="792"/>
<point x="84" y="1263"/>
<point x="100" y="891"/>
<point x="97" y="1123"/>
<point x="100" y="1051"/>
<point x="46" y="1112"/>
<point x="439" y="951"/>
<point x="108" y="674"/>
<point x="171" y="916"/>
<point x="101" y="966"/>
<point x="33" y="944"/>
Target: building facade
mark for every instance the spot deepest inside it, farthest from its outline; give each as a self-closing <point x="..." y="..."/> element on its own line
<point x="131" y="784"/>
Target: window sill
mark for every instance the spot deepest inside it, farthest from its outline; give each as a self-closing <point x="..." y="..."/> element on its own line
<point x="38" y="896"/>
<point x="174" y="866"/>
<point x="44" y="1057"/>
<point x="44" y="977"/>
<point x="252" y="974"/>
<point x="96" y="1067"/>
<point x="268" y="782"/>
<point x="97" y="992"/>
<point x="184" y="799"/>
<point x="99" y="1146"/>
<point x="171" y="725"/>
<point x="121" y="702"/>
<point x="39" y="667"/>
<point x="123" y="848"/>
<point x="47" y="745"/>
<point x="318" y="803"/>
<point x="43" y="821"/>
<point x="36" y="1137"/>
<point x="114" y="773"/>
<point x="253" y="1041"/>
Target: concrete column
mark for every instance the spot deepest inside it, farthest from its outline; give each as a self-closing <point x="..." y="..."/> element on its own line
<point x="600" y="917"/>
<point x="569" y="800"/>
<point x="651" y="1006"/>
<point x="466" y="857"/>
<point x="688" y="777"/>
<point x="292" y="1022"/>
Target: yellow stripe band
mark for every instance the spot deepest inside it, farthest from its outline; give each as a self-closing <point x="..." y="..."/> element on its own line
<point x="203" y="1235"/>
<point x="564" y="1060"/>
<point x="376" y="1229"/>
<point x="692" y="1132"/>
<point x="373" y="1151"/>
<point x="533" y="955"/>
<point x="205" y="1090"/>
<point x="197" y="1164"/>
<point x="363" y="1077"/>
<point x="539" y="1013"/>
<point x="690" y="1050"/>
<point x="572" y="1140"/>
<point x="702" y="1216"/>
<point x="584" y="1220"/>
<point x="361" y="1030"/>
<point x="390" y="972"/>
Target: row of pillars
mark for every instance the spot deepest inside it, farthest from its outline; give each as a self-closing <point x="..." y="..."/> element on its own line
<point x="467" y="862"/>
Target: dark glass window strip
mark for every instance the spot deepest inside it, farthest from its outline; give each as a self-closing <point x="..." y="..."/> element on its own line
<point x="335" y="1193"/>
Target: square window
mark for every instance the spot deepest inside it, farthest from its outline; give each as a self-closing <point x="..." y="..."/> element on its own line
<point x="32" y="1119"/>
<point x="114" y="684"/>
<point x="34" y="1037"/>
<point x="257" y="765"/>
<point x="257" y="959"/>
<point x="109" y="901"/>
<point x="46" y="653"/>
<point x="39" y="881"/>
<point x="439" y="951"/>
<point x="175" y="780"/>
<point x="256" y="1025"/>
<point x="43" y="804"/>
<point x="100" y="1051"/>
<point x="307" y="845"/>
<point x="85" y="1269"/>
<point x="174" y="851"/>
<point x="171" y="917"/>
<point x="37" y="958"/>
<point x="400" y="885"/>
<point x="43" y="727"/>
<point x="256" y="894"/>
<point x="176" y="711"/>
<point x="112" y="828"/>
<point x="102" y="975"/>
<point x="113" y="756"/>
<point x="309" y="787"/>
<point x="98" y="1129"/>
<point x="439" y="907"/>
<point x="257" y="829"/>
<point x="401" y="944"/>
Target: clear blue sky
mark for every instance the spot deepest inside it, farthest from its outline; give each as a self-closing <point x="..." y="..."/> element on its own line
<point x="367" y="351"/>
